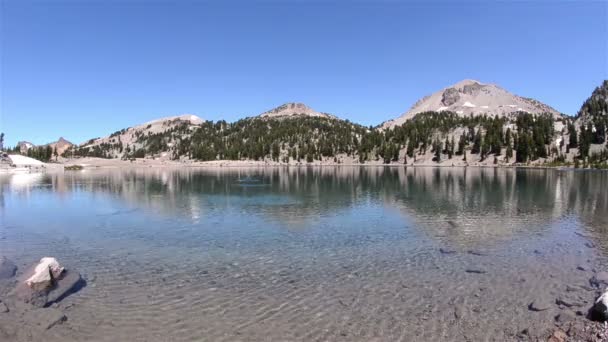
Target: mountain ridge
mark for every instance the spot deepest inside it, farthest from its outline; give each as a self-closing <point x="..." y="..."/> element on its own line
<point x="295" y="133"/>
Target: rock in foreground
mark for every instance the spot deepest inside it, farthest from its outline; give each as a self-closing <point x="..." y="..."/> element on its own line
<point x="47" y="270"/>
<point x="599" y="310"/>
<point x="47" y="282"/>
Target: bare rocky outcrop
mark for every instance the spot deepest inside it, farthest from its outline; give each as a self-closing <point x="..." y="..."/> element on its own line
<point x="450" y="96"/>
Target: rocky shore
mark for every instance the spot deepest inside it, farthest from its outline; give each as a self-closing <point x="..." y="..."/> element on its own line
<point x="77" y="164"/>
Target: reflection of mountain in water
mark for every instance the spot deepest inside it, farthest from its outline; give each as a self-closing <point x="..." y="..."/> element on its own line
<point x="453" y="204"/>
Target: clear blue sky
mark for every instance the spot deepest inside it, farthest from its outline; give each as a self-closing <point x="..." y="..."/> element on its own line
<point x="82" y="69"/>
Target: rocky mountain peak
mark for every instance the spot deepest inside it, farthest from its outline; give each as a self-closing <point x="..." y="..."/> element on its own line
<point x="471" y="97"/>
<point x="62" y="140"/>
<point x="293" y="109"/>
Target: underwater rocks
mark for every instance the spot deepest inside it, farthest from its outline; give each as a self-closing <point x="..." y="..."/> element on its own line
<point x="599" y="279"/>
<point x="540" y="304"/>
<point x="7" y="268"/>
<point x="47" y="282"/>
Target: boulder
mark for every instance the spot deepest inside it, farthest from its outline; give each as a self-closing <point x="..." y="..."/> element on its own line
<point x="44" y="273"/>
<point x="599" y="310"/>
<point x="47" y="282"/>
<point x="7" y="268"/>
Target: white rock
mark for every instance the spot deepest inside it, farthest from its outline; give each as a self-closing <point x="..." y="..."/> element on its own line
<point x="47" y="269"/>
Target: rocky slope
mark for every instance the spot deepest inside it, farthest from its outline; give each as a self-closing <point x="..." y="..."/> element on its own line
<point x="473" y="97"/>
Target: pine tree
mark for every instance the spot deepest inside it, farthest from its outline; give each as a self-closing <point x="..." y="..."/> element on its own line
<point x="476" y="143"/>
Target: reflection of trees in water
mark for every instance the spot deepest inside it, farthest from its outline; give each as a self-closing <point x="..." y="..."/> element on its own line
<point x="447" y="202"/>
<point x="468" y="205"/>
<point x="586" y="194"/>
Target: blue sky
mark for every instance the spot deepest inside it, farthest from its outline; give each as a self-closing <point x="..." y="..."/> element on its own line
<point x="82" y="69"/>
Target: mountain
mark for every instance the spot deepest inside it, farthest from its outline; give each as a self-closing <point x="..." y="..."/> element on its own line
<point x="473" y="97"/>
<point x="60" y="145"/>
<point x="135" y="138"/>
<point x="294" y="109"/>
<point x="529" y="134"/>
<point x="596" y="106"/>
<point x="591" y="126"/>
<point x="24" y="146"/>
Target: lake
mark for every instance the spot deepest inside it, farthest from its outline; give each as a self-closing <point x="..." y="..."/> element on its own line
<point x="307" y="254"/>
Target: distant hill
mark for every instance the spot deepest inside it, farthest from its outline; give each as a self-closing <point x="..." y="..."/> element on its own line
<point x="60" y="146"/>
<point x="129" y="140"/>
<point x="470" y="97"/>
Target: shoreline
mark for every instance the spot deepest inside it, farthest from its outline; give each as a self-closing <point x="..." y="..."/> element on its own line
<point x="100" y="163"/>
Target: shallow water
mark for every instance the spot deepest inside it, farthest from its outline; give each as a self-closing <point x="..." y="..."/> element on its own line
<point x="328" y="253"/>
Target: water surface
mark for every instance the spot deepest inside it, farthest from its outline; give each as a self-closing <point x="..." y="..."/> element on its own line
<point x="300" y="254"/>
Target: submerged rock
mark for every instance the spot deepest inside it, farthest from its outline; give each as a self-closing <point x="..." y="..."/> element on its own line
<point x="540" y="304"/>
<point x="599" y="310"/>
<point x="47" y="282"/>
<point x="7" y="268"/>
<point x="599" y="279"/>
<point x="568" y="301"/>
<point x="565" y="317"/>
<point x="45" y="318"/>
<point x="475" y="270"/>
<point x="3" y="308"/>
